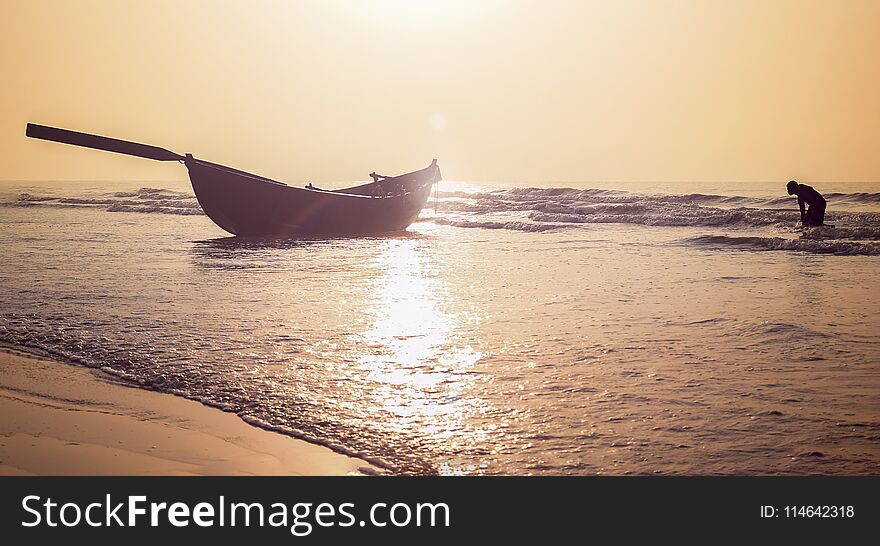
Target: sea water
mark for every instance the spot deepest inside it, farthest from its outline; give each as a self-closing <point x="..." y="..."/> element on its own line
<point x="639" y="329"/>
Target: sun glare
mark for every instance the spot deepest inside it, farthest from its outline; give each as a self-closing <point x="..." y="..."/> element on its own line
<point x="418" y="358"/>
<point x="437" y="121"/>
<point x="416" y="12"/>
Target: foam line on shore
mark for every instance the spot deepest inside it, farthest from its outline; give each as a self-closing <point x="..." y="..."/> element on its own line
<point x="61" y="419"/>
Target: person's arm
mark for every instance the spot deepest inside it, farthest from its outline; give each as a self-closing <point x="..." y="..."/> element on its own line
<point x="801" y="205"/>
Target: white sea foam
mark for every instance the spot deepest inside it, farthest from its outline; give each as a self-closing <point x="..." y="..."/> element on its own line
<point x="546" y="209"/>
<point x="144" y="200"/>
<point x="488" y="224"/>
<point x="539" y="210"/>
<point x="816" y="246"/>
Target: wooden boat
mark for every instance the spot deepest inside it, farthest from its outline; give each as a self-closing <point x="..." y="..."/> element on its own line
<point x="249" y="205"/>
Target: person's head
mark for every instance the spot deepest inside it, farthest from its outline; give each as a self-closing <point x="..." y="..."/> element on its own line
<point x="792" y="187"/>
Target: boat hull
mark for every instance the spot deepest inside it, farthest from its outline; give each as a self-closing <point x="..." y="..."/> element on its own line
<point x="248" y="205"/>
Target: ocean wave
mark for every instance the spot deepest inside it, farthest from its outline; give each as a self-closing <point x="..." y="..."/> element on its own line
<point x="769" y="328"/>
<point x="487" y="224"/>
<point x="607" y="195"/>
<point x="814" y="246"/>
<point x="143" y="200"/>
<point x="854" y="233"/>
<point x="664" y="215"/>
<point x="859" y="197"/>
<point x="155" y="208"/>
<point x="599" y="206"/>
<point x="545" y="209"/>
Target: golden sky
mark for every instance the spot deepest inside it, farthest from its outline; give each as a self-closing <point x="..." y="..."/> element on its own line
<point x="506" y="91"/>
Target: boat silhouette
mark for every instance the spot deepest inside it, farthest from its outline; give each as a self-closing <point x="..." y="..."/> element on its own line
<point x="249" y="205"/>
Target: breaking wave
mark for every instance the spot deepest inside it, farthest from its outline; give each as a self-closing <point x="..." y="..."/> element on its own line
<point x="597" y="206"/>
<point x="550" y="209"/>
<point x="511" y="225"/>
<point x="815" y="246"/>
<point x="855" y="217"/>
<point x="538" y="209"/>
<point x="144" y="200"/>
<point x="853" y="233"/>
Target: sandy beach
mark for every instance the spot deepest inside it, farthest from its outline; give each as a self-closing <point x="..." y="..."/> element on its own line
<point x="60" y="419"/>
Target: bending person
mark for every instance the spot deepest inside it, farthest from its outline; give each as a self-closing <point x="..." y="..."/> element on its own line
<point x="815" y="214"/>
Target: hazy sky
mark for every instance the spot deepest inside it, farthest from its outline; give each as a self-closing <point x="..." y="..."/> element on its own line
<point x="508" y="91"/>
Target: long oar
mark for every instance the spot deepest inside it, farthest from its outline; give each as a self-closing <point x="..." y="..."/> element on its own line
<point x="101" y="143"/>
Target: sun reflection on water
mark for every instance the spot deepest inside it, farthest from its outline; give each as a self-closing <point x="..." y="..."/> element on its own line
<point x="414" y="354"/>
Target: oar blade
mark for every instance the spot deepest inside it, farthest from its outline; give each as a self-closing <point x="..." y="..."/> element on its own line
<point x="86" y="140"/>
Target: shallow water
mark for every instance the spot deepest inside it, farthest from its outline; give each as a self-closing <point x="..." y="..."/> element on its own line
<point x="519" y="331"/>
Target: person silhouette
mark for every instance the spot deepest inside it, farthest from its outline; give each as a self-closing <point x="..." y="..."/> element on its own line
<point x="815" y="214"/>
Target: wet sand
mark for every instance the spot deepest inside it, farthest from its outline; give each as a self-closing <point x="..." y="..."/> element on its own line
<point x="60" y="419"/>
